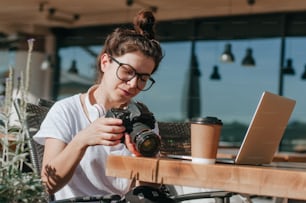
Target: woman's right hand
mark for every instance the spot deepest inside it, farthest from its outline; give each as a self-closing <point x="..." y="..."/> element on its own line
<point x="103" y="131"/>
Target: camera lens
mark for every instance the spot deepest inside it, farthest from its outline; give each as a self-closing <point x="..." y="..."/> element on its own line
<point x="148" y="143"/>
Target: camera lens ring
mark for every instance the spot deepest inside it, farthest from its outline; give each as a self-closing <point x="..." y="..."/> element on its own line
<point x="147" y="143"/>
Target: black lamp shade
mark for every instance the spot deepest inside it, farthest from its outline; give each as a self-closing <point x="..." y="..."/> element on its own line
<point x="289" y="70"/>
<point x="73" y="68"/>
<point x="248" y="60"/>
<point x="227" y="56"/>
<point x="215" y="74"/>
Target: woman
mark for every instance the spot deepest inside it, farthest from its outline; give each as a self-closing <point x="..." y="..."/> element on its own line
<point x="77" y="136"/>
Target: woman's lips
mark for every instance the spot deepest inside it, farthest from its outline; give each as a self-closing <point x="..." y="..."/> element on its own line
<point x="126" y="92"/>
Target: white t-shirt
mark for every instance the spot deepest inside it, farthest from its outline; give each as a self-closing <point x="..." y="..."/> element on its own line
<point x="64" y="120"/>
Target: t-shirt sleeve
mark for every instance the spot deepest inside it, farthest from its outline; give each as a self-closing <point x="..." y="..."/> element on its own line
<point x="57" y="124"/>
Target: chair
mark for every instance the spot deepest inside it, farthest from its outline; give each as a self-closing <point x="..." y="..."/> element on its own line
<point x="35" y="114"/>
<point x="176" y="140"/>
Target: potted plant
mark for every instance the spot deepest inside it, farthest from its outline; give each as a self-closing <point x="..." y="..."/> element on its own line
<point x="17" y="185"/>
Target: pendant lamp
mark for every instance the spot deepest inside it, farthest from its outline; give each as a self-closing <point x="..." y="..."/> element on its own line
<point x="288" y="69"/>
<point x="248" y="60"/>
<point x="227" y="56"/>
<point x="215" y="74"/>
<point x="73" y="68"/>
<point x="46" y="64"/>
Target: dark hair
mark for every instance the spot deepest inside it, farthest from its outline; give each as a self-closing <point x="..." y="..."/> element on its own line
<point x="141" y="38"/>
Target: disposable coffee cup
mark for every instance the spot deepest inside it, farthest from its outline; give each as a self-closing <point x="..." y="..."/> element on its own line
<point x="205" y="135"/>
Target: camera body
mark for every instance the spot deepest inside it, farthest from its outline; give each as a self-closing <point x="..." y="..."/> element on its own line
<point x="139" y="123"/>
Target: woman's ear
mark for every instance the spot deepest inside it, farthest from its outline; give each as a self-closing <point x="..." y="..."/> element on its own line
<point x="104" y="59"/>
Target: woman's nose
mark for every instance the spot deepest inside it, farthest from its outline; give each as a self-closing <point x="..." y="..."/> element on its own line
<point x="133" y="82"/>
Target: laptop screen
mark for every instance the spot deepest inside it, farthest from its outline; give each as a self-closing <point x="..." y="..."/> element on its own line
<point x="266" y="129"/>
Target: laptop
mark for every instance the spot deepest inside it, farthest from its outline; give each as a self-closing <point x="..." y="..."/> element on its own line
<point x="265" y="131"/>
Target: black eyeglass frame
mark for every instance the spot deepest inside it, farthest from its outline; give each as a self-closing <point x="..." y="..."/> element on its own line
<point x="135" y="74"/>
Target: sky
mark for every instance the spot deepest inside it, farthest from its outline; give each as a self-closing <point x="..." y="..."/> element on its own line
<point x="233" y="98"/>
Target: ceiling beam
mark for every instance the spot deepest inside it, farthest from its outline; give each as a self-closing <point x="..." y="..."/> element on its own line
<point x="213" y="28"/>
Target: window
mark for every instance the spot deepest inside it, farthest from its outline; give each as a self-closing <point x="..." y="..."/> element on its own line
<point x="234" y="98"/>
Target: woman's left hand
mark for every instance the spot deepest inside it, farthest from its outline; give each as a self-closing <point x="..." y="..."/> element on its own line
<point x="130" y="145"/>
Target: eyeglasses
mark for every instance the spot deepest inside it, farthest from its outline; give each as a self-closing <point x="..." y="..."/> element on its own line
<point x="126" y="72"/>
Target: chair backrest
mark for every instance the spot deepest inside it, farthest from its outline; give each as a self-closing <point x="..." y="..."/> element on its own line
<point x="175" y="138"/>
<point x="35" y="115"/>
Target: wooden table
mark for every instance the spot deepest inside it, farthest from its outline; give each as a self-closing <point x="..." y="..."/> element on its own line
<point x="228" y="152"/>
<point x="289" y="182"/>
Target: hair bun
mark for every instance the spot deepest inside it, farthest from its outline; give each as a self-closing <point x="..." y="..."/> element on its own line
<point x="144" y="23"/>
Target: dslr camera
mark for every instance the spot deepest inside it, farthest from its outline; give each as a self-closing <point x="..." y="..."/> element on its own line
<point x="139" y="123"/>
